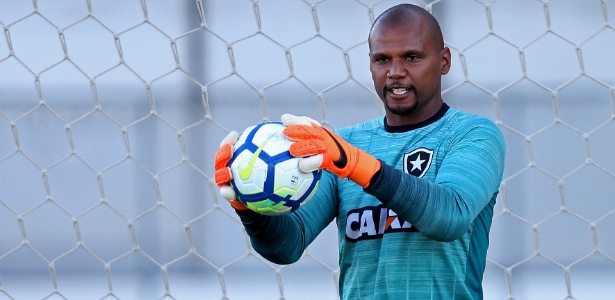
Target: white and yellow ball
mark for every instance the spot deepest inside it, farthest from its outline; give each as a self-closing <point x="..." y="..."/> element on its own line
<point x="266" y="177"/>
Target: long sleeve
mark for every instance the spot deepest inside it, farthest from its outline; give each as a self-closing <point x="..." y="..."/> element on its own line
<point x="270" y="236"/>
<point x="466" y="182"/>
<point x="283" y="239"/>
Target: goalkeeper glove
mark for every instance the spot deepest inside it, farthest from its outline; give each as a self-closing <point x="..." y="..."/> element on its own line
<point x="223" y="174"/>
<point x="322" y="148"/>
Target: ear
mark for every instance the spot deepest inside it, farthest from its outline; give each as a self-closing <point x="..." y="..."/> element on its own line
<point x="445" y="56"/>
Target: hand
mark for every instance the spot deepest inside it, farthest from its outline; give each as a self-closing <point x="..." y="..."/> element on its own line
<point x="322" y="148"/>
<point x="223" y="174"/>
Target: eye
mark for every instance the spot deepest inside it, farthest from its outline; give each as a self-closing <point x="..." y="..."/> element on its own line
<point x="412" y="57"/>
<point x="380" y="59"/>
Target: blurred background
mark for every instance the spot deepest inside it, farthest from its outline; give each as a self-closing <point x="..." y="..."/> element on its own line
<point x="111" y="112"/>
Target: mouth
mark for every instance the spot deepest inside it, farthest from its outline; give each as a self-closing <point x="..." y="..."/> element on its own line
<point x="398" y="91"/>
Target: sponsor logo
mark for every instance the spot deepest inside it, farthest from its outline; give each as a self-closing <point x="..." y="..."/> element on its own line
<point x="245" y="173"/>
<point x="373" y="222"/>
<point x="342" y="160"/>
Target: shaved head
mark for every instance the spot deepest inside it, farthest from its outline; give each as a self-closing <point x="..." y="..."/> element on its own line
<point x="407" y="61"/>
<point x="407" y="15"/>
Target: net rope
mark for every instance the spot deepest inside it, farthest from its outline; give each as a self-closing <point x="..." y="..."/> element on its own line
<point x="111" y="112"/>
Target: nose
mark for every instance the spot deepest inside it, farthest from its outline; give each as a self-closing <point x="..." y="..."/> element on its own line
<point x="396" y="70"/>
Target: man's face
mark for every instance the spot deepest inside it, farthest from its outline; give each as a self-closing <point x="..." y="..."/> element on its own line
<point x="406" y="69"/>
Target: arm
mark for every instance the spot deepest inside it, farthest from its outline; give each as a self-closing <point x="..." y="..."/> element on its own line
<point x="283" y="239"/>
<point x="280" y="239"/>
<point x="467" y="180"/>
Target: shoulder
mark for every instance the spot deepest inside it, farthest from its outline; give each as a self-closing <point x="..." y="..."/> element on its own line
<point x="465" y="129"/>
<point x="467" y="119"/>
<point x="371" y="126"/>
<point x="462" y="122"/>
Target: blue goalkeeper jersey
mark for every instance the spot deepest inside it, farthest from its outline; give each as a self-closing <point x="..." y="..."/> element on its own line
<point x="421" y="229"/>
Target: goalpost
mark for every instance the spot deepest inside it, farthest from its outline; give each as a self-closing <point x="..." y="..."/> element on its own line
<point x="111" y="112"/>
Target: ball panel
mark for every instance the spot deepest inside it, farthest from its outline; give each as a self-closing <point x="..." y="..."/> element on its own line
<point x="269" y="136"/>
<point x="269" y="207"/>
<point x="253" y="181"/>
<point x="289" y="180"/>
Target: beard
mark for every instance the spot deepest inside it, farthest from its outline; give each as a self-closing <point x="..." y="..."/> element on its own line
<point x="402" y="109"/>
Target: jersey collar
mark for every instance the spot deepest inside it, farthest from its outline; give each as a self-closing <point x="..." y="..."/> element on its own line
<point x="403" y="128"/>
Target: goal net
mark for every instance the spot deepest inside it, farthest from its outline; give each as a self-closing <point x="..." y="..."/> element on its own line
<point x="111" y="112"/>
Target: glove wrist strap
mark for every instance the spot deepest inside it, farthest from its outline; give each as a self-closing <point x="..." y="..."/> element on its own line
<point x="238" y="205"/>
<point x="366" y="167"/>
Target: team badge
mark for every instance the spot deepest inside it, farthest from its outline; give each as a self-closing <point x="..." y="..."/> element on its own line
<point x="418" y="161"/>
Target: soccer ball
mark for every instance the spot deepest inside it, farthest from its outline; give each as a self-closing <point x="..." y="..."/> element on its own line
<point x="266" y="177"/>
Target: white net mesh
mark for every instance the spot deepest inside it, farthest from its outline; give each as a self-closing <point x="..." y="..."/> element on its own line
<point x="111" y="112"/>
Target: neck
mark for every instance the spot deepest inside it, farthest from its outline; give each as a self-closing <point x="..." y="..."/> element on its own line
<point x="389" y="127"/>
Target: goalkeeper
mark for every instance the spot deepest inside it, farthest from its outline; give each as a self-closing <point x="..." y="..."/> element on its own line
<point x="412" y="192"/>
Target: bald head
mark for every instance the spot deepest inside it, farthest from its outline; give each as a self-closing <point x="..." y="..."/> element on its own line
<point x="406" y="15"/>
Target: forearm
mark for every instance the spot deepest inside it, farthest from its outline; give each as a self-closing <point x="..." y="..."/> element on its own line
<point x="278" y="239"/>
<point x="435" y="210"/>
<point x="282" y="239"/>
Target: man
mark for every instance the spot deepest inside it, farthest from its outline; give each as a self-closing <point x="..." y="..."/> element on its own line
<point x="414" y="216"/>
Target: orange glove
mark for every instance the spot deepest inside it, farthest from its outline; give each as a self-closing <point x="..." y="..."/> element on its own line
<point x="223" y="174"/>
<point x="322" y="148"/>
